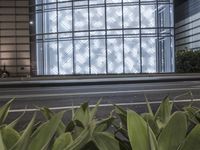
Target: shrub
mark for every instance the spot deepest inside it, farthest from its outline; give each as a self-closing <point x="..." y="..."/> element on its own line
<point x="162" y="130"/>
<point x="188" y="61"/>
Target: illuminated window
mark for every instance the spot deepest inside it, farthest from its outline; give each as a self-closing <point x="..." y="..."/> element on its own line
<point x="104" y="36"/>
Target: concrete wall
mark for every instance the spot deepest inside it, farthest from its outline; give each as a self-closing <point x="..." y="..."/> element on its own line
<point x="187" y="27"/>
<point x="14" y="36"/>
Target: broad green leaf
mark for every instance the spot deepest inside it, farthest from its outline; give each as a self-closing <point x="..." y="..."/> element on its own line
<point x="105" y="141"/>
<point x="82" y="114"/>
<point x="151" y="122"/>
<point x="48" y="114"/>
<point x="174" y="132"/>
<point x="24" y="140"/>
<point x="62" y="141"/>
<point x="13" y="123"/>
<point x="192" y="141"/>
<point x="139" y="133"/>
<point x="10" y="136"/>
<point x="163" y="113"/>
<point x="83" y="138"/>
<point x="44" y="134"/>
<point x="94" y="110"/>
<point x="4" y="111"/>
<point x="104" y="124"/>
<point x="149" y="107"/>
<point x="122" y="114"/>
<point x="2" y="145"/>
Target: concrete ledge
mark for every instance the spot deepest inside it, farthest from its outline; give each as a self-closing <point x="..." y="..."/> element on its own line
<point x="47" y="81"/>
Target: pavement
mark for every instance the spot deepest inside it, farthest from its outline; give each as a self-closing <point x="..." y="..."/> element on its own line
<point x="65" y="93"/>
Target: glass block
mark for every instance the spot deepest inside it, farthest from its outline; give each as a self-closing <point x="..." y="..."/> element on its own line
<point x="148" y="16"/>
<point x="81" y="56"/>
<point x="149" y="55"/>
<point x="64" y="20"/>
<point x="81" y="19"/>
<point x="97" y="18"/>
<point x="50" y="58"/>
<point x="50" y="22"/>
<point x="115" y="55"/>
<point x="65" y="57"/>
<point x="98" y="56"/>
<point x="96" y="1"/>
<point x="114" y="17"/>
<point x="132" y="55"/>
<point x="129" y="20"/>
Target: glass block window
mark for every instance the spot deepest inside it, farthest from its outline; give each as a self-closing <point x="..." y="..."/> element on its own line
<point x="104" y="36"/>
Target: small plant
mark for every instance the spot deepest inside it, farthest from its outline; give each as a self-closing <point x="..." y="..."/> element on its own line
<point x="159" y="130"/>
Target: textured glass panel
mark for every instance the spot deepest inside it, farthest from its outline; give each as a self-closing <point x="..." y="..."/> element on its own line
<point x="65" y="20"/>
<point x="96" y="1"/>
<point x="132" y="55"/>
<point x="66" y="57"/>
<point x="98" y="56"/>
<point x="115" y="55"/>
<point x="129" y="20"/>
<point x="148" y="15"/>
<point x="39" y="58"/>
<point x="38" y="23"/>
<point x="148" y="55"/>
<point x="81" y="19"/>
<point x="97" y="18"/>
<point x="81" y="56"/>
<point x="113" y="1"/>
<point x="50" y="22"/>
<point x="130" y="0"/>
<point x="114" y="17"/>
<point x="50" y="58"/>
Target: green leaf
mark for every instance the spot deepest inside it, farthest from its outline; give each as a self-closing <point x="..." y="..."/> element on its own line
<point x="48" y="114"/>
<point x="94" y="110"/>
<point x="83" y="138"/>
<point x="149" y="107"/>
<point x="24" y="140"/>
<point x="105" y="141"/>
<point x="140" y="135"/>
<point x="163" y="113"/>
<point x="13" y="123"/>
<point x="174" y="133"/>
<point x="62" y="141"/>
<point x="151" y="122"/>
<point x="4" y="111"/>
<point x="2" y="146"/>
<point x="104" y="124"/>
<point x="82" y="114"/>
<point x="44" y="133"/>
<point x="192" y="141"/>
<point x="10" y="136"/>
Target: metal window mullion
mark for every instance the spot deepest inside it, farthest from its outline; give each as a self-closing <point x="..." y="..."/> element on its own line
<point x="159" y="56"/>
<point x="89" y="43"/>
<point x="123" y="36"/>
<point x="43" y="60"/>
<point x="73" y="42"/>
<point x="106" y="38"/>
<point x="58" y="59"/>
<point x="140" y="34"/>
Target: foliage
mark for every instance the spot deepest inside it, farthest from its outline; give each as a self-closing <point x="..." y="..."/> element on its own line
<point x="159" y="130"/>
<point x="188" y="61"/>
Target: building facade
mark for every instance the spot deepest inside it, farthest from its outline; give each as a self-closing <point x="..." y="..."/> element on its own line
<point x="15" y="37"/>
<point x="187" y="27"/>
<point x="102" y="36"/>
